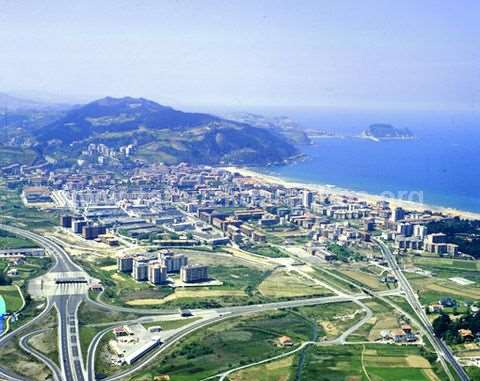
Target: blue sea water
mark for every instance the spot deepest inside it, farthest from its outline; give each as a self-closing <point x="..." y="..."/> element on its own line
<point x="442" y="163"/>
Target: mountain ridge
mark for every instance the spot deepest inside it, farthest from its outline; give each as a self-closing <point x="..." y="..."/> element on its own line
<point x="173" y="134"/>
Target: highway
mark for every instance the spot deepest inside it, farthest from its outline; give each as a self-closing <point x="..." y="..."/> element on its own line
<point x="439" y="345"/>
<point x="65" y="298"/>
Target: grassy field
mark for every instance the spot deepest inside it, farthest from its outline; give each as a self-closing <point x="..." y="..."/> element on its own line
<point x="239" y="287"/>
<point x="10" y="241"/>
<point x="432" y="289"/>
<point x="15" y="359"/>
<point x="473" y="372"/>
<point x="385" y="318"/>
<point x="279" y="370"/>
<point x="267" y="251"/>
<point x="3" y="265"/>
<point x="47" y="342"/>
<point x="89" y="316"/>
<point x="228" y="344"/>
<point x="12" y="297"/>
<point x="332" y="319"/>
<point x="289" y="284"/>
<point x="445" y="268"/>
<point x="363" y="278"/>
<point x="335" y="282"/>
<point x="14" y="212"/>
<point x="369" y="363"/>
<point x="122" y="288"/>
<point x="448" y="263"/>
<point x="171" y="324"/>
<point x="31" y="268"/>
<point x="239" y="278"/>
<point x="87" y="333"/>
<point x="183" y="295"/>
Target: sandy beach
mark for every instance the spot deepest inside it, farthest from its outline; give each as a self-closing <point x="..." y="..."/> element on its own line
<point x="328" y="189"/>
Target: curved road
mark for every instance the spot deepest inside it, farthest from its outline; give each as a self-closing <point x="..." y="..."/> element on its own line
<point x="224" y="313"/>
<point x="23" y="343"/>
<point x="66" y="298"/>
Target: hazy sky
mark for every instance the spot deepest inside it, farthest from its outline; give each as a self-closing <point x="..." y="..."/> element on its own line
<point x="415" y="54"/>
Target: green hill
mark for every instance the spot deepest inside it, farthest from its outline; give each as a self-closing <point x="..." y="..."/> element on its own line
<point x="162" y="133"/>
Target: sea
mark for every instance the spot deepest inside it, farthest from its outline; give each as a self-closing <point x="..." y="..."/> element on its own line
<point x="440" y="167"/>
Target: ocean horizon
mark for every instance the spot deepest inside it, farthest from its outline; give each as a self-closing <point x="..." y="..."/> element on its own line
<point x="440" y="167"/>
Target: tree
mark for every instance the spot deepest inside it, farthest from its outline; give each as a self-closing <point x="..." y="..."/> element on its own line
<point x="4" y="279"/>
<point x="441" y="325"/>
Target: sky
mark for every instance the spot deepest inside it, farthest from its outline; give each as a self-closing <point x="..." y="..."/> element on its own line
<point x="347" y="54"/>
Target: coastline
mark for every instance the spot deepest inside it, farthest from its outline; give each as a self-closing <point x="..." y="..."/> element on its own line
<point x="329" y="189"/>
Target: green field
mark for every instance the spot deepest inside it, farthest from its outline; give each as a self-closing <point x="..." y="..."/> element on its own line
<point x="266" y="251"/>
<point x="371" y="362"/>
<point x="289" y="284"/>
<point x="331" y="319"/>
<point x="13" y="357"/>
<point x="91" y="315"/>
<point x="359" y="277"/>
<point x="445" y="268"/>
<point x="228" y="344"/>
<point x="31" y="268"/>
<point x="10" y="241"/>
<point x="90" y="320"/>
<point x="473" y="372"/>
<point x="15" y="213"/>
<point x="47" y="341"/>
<point x="87" y="333"/>
<point x="363" y="278"/>
<point x="278" y="370"/>
<point x="239" y="286"/>
<point x="31" y="310"/>
<point x="432" y="289"/>
<point x="122" y="288"/>
<point x="171" y="324"/>
<point x="448" y="263"/>
<point x="12" y="298"/>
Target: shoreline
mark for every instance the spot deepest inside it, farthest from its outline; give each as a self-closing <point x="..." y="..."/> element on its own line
<point x="369" y="197"/>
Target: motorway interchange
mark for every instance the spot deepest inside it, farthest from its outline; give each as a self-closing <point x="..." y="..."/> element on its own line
<point x="66" y="297"/>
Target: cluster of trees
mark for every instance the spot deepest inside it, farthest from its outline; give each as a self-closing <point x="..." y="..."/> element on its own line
<point x="344" y="254"/>
<point x="464" y="233"/>
<point x="4" y="279"/>
<point x="447" y="329"/>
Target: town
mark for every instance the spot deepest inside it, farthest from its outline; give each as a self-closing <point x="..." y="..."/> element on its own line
<point x="169" y="228"/>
